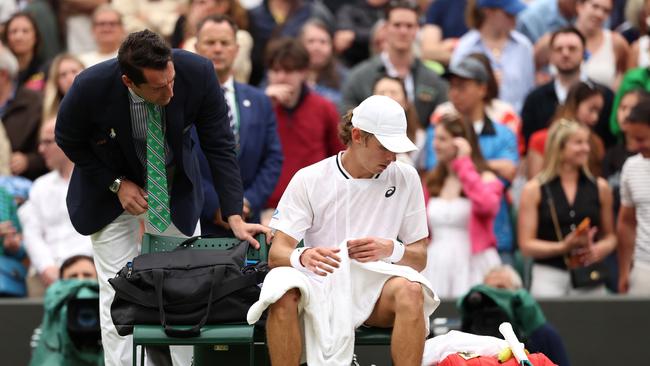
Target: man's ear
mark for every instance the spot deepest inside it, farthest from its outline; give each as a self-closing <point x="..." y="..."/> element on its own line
<point x="356" y="135"/>
<point x="127" y="81"/>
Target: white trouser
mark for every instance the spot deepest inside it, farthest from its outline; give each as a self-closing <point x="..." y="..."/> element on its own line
<point x="640" y="279"/>
<point x="549" y="281"/>
<point x="114" y="246"/>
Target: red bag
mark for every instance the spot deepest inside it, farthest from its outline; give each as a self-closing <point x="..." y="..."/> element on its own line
<point x="537" y="359"/>
<point x="457" y="360"/>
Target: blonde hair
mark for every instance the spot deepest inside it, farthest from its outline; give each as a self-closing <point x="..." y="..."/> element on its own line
<point x="558" y="135"/>
<point x="52" y="95"/>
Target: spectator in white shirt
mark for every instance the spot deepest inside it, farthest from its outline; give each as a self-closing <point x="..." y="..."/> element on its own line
<point x="48" y="233"/>
<point x="634" y="215"/>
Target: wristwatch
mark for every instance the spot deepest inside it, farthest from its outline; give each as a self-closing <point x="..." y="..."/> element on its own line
<point x="115" y="186"/>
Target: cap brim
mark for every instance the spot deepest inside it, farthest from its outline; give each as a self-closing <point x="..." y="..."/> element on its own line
<point x="396" y="144"/>
<point x="515" y="8"/>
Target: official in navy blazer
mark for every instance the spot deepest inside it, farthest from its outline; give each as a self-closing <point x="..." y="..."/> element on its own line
<point x="253" y="123"/>
<point x="102" y="128"/>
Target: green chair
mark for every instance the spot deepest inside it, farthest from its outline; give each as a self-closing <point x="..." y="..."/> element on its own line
<point x="213" y="337"/>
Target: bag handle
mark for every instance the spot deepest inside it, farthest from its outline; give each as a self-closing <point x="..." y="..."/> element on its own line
<point x="195" y="330"/>
<point x="127" y="291"/>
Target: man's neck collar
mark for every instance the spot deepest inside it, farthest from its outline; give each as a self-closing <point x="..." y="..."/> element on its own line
<point x="135" y="97"/>
<point x="228" y="83"/>
<point x="224" y="79"/>
<point x="350" y="170"/>
<point x="398" y="59"/>
<point x="568" y="80"/>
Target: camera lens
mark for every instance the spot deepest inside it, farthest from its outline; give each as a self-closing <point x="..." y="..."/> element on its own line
<point x="87" y="318"/>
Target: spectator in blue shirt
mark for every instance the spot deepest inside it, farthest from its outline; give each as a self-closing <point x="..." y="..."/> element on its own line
<point x="468" y="92"/>
<point x="510" y="52"/>
<point x="449" y="16"/>
<point x="545" y="16"/>
<point x="445" y="24"/>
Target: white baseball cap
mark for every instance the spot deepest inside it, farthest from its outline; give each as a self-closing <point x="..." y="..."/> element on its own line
<point x="385" y="118"/>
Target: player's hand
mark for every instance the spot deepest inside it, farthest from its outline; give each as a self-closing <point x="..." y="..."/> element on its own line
<point x="132" y="198"/>
<point x="320" y="260"/>
<point x="370" y="249"/>
<point x="246" y="231"/>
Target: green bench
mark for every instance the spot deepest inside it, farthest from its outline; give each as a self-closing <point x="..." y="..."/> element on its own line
<point x="217" y="341"/>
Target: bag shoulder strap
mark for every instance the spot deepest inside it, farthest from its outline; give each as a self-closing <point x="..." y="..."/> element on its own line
<point x="551" y="205"/>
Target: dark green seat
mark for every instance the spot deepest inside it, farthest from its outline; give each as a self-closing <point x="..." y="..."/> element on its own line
<point x="370" y="336"/>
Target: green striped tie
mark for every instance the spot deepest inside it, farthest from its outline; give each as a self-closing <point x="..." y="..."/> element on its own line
<point x="158" y="213"/>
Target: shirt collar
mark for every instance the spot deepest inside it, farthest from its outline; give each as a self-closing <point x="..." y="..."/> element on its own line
<point x="339" y="165"/>
<point x="488" y="127"/>
<point x="134" y="97"/>
<point x="229" y="85"/>
<point x="561" y="92"/>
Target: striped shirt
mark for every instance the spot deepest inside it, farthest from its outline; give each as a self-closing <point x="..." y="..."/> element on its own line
<point x="139" y="126"/>
<point x="635" y="192"/>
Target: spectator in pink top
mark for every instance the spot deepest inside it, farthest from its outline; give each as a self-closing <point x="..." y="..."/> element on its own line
<point x="464" y="201"/>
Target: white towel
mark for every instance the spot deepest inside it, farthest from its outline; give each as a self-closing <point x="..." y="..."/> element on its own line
<point x="332" y="307"/>
<point x="438" y="348"/>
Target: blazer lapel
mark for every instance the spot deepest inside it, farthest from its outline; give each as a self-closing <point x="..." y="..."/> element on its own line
<point x="174" y="119"/>
<point x="123" y="129"/>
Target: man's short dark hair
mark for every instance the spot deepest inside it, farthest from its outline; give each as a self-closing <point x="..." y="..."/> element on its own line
<point x="218" y="18"/>
<point x="286" y="54"/>
<point x="144" y="49"/>
<point x="402" y="4"/>
<point x="569" y="30"/>
<point x="72" y="260"/>
<point x="640" y="113"/>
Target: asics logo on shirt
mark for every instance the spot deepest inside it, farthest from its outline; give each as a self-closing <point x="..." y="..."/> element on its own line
<point x="390" y="191"/>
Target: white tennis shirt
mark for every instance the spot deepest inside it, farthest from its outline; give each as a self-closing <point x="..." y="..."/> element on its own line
<point x="324" y="205"/>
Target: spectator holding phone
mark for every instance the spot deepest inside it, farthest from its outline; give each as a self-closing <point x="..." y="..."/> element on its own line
<point x="463" y="204"/>
<point x="554" y="206"/>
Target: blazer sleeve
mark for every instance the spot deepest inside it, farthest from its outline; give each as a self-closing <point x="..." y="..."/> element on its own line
<point x="218" y="144"/>
<point x="73" y="133"/>
<point x="485" y="197"/>
<point x="211" y="199"/>
<point x="269" y="168"/>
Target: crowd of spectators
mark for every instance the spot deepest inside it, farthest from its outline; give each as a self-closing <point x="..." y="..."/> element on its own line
<point x="529" y="116"/>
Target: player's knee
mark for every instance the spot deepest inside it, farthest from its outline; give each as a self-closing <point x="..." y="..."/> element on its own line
<point x="287" y="305"/>
<point x="409" y="297"/>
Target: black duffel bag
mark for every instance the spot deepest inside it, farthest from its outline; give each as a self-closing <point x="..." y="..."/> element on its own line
<point x="186" y="287"/>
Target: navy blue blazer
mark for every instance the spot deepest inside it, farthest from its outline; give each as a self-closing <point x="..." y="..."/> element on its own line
<point x="94" y="130"/>
<point x="260" y="156"/>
